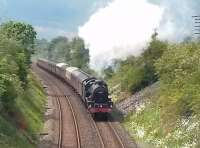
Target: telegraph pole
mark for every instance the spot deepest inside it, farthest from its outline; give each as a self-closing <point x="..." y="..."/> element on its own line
<point x="196" y="24"/>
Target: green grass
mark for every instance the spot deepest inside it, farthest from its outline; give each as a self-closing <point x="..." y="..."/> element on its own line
<point x="22" y="130"/>
<point x="146" y="127"/>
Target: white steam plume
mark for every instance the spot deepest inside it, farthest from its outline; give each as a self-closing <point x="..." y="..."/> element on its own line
<point x="120" y="29"/>
<point x="124" y="27"/>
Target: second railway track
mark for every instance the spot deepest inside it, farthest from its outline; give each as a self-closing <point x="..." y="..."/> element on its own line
<point x="100" y="133"/>
<point x="78" y="140"/>
<point x="113" y="141"/>
<point x="57" y="92"/>
<point x="110" y="137"/>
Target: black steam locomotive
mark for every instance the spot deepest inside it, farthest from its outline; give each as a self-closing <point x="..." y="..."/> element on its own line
<point x="93" y="92"/>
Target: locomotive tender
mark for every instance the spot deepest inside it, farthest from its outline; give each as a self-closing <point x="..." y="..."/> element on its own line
<point x="93" y="92"/>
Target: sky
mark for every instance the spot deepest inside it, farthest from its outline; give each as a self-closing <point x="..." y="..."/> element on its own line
<point x="50" y="17"/>
<point x="110" y="28"/>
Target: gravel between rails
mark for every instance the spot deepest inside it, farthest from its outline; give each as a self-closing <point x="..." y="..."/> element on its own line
<point x="68" y="135"/>
<point x="106" y="131"/>
<point x="88" y="133"/>
<point x="89" y="136"/>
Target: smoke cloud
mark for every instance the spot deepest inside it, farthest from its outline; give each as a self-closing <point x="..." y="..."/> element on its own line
<point x="124" y="27"/>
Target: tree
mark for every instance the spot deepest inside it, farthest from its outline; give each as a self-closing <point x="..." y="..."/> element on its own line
<point x="153" y="52"/>
<point x="178" y="71"/>
<point x="40" y="49"/>
<point x="72" y="52"/>
<point x="19" y="38"/>
<point x="108" y="72"/>
<point x="58" y="48"/>
<point x="10" y="72"/>
<point x="79" y="54"/>
<point x="24" y="33"/>
<point x="21" y="32"/>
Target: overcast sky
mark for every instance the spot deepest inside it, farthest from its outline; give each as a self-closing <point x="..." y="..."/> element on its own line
<point x="51" y="17"/>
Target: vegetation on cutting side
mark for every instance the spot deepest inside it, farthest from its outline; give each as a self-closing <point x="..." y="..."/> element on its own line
<point x="15" y="51"/>
<point x="21" y="97"/>
<point x="171" y="117"/>
<point x="128" y="76"/>
<point x="178" y="71"/>
<point x="20" y="128"/>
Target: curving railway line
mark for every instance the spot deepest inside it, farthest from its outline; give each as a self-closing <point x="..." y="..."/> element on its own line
<point x="75" y="123"/>
<point x="63" y="102"/>
<point x="72" y="131"/>
<point x="106" y="130"/>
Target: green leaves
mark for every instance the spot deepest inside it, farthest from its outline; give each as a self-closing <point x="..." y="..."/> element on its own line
<point x="16" y="40"/>
<point x="79" y="54"/>
<point x="10" y="86"/>
<point x="135" y="73"/>
<point x="179" y="72"/>
<point x="71" y="52"/>
<point x="24" y="33"/>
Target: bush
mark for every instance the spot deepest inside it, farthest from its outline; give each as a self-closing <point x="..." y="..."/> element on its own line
<point x="179" y="71"/>
<point x="10" y="73"/>
<point x="135" y="73"/>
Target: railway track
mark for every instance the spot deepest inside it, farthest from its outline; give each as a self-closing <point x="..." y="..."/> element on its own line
<point x="54" y="94"/>
<point x="73" y="114"/>
<point x="116" y="135"/>
<point x="58" y="94"/>
<point x="60" y="123"/>
<point x="107" y="135"/>
<point x="105" y="143"/>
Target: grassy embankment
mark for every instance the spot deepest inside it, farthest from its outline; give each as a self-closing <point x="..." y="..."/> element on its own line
<point x="170" y="118"/>
<point x="20" y="129"/>
<point x="146" y="127"/>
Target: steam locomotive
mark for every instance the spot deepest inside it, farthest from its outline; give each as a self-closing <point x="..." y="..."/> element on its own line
<point x="93" y="92"/>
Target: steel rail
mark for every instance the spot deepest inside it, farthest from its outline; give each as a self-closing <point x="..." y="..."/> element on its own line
<point x="60" y="121"/>
<point x="75" y="121"/>
<point x="116" y="135"/>
<point x="98" y="133"/>
<point x="72" y="111"/>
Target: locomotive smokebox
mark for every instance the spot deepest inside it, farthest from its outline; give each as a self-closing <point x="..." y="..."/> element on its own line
<point x="99" y="91"/>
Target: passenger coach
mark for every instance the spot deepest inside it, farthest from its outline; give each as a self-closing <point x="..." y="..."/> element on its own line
<point x="93" y="91"/>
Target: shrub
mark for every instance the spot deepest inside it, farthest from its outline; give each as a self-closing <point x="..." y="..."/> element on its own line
<point x="179" y="71"/>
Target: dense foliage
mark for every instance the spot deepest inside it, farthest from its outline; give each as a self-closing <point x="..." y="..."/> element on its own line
<point x="10" y="84"/>
<point x="169" y="117"/>
<point x="16" y="41"/>
<point x="61" y="49"/>
<point x="21" y="98"/>
<point x="135" y="73"/>
<point x="22" y="33"/>
<point x="21" y="131"/>
<point x="179" y="72"/>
